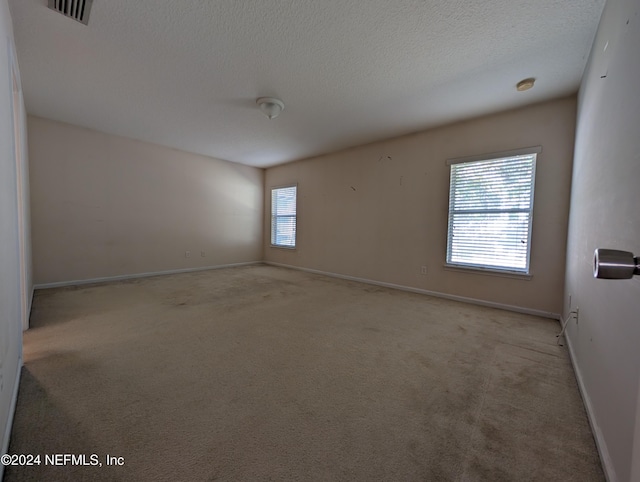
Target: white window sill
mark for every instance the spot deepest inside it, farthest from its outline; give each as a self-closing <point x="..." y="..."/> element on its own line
<point x="488" y="271"/>
<point x="282" y="247"/>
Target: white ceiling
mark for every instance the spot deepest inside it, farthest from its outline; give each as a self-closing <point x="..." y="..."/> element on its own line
<point x="186" y="73"/>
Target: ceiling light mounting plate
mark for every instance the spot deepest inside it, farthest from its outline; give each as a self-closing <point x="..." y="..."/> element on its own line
<point x="270" y="106"/>
<point x="525" y="84"/>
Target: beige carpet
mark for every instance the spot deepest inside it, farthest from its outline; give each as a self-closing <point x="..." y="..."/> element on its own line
<point x="264" y="373"/>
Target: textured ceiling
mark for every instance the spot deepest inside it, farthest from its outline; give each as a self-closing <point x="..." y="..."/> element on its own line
<point x="186" y="73"/>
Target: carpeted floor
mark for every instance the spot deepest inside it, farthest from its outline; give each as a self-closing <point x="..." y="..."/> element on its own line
<point x="264" y="373"/>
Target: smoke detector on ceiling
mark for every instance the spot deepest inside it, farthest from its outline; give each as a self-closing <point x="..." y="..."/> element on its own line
<point x="75" y="9"/>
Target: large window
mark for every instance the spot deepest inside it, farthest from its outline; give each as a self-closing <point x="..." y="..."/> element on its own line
<point x="283" y="217"/>
<point x="490" y="212"/>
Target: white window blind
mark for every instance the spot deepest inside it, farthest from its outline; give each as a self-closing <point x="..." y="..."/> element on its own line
<point x="283" y="216"/>
<point x="490" y="213"/>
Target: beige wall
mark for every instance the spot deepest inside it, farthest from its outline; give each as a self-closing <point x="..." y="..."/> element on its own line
<point x="379" y="211"/>
<point x="605" y="213"/>
<point x="14" y="227"/>
<point x="105" y="206"/>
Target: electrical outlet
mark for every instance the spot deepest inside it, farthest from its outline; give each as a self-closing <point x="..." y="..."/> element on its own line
<point x="187" y="254"/>
<point x="423" y="270"/>
<point x="203" y="254"/>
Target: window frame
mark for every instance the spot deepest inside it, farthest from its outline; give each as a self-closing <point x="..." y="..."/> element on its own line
<point x="487" y="269"/>
<point x="275" y="216"/>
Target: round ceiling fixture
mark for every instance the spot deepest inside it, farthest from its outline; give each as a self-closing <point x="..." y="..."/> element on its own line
<point x="270" y="106"/>
<point x="525" y="84"/>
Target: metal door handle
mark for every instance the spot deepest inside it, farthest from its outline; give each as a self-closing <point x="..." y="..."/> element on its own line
<point x="615" y="264"/>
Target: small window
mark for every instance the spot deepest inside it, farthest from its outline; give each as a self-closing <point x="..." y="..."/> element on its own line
<point x="490" y="212"/>
<point x="283" y="217"/>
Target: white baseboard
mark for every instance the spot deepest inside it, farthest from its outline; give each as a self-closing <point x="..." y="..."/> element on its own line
<point x="474" y="301"/>
<point x="607" y="465"/>
<point x="491" y="304"/>
<point x="12" y="410"/>
<point x="60" y="284"/>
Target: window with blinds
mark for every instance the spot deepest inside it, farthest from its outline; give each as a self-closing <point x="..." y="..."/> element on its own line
<point x="490" y="213"/>
<point x="283" y="217"/>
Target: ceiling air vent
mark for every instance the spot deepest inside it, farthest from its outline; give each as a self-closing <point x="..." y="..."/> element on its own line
<point x="75" y="9"/>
